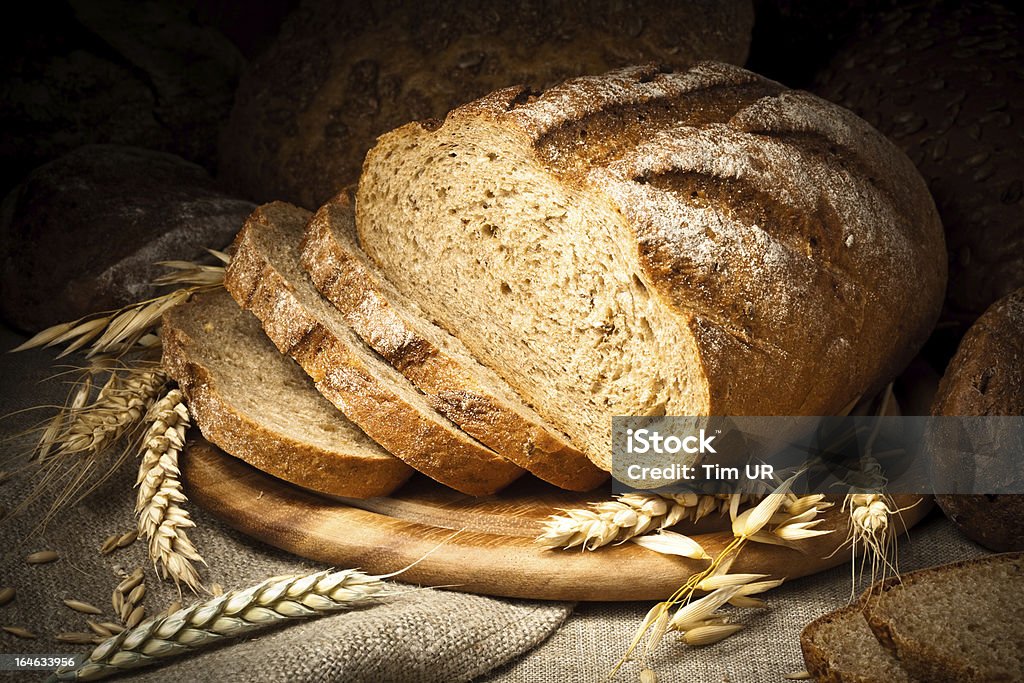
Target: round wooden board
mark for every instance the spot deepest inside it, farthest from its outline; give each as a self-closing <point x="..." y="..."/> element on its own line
<point x="493" y="552"/>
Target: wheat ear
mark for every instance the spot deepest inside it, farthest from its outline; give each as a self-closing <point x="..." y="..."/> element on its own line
<point x="162" y="519"/>
<point x="72" y="443"/>
<point x="230" y="615"/>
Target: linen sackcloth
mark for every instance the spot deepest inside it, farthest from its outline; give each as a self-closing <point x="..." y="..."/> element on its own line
<point x="425" y="635"/>
<point x="418" y="635"/>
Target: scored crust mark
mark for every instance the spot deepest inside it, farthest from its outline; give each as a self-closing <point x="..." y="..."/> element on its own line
<point x="266" y="276"/>
<point x="455" y="383"/>
<point x="258" y="405"/>
<point x="582" y="269"/>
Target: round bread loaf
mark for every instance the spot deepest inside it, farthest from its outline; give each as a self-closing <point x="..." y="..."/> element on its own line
<point x="342" y="73"/>
<point x="944" y="82"/>
<point x="986" y="377"/>
<point x="648" y="242"/>
<point x="84" y="233"/>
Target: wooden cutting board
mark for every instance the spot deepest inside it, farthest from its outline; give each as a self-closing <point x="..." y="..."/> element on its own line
<point x="478" y="545"/>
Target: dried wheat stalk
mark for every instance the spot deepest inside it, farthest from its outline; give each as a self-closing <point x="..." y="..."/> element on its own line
<point x="71" y="448"/>
<point x="162" y="519"/>
<point x="230" y="615"/>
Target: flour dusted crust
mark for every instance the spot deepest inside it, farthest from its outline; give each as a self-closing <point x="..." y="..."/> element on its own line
<point x="279" y="425"/>
<point x="797" y="251"/>
<point x="265" y="277"/>
<point x="455" y="384"/>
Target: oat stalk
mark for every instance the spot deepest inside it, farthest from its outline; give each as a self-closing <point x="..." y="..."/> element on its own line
<point x="779" y="518"/>
<point x="233" y="614"/>
<point x="163" y="520"/>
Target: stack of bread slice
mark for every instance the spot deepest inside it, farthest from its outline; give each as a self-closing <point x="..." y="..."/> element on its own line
<point x="406" y="394"/>
<point x="643" y="242"/>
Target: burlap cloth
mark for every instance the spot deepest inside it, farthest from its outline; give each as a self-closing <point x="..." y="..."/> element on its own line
<point x="417" y="635"/>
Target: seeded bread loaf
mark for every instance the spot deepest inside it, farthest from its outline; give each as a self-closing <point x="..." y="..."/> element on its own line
<point x="648" y="242"/>
<point x="986" y="377"/>
<point x="342" y="72"/>
<point x="461" y="389"/>
<point x="260" y="407"/>
<point x="958" y="623"/>
<point x="943" y="81"/>
<point x="839" y="647"/>
<point x="265" y="277"/>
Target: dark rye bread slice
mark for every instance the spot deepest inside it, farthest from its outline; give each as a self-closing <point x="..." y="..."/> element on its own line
<point x="839" y="647"/>
<point x="266" y="278"/>
<point x="959" y="622"/>
<point x="460" y="388"/>
<point x="260" y="407"/>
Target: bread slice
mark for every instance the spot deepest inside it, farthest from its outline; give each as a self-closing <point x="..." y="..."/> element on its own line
<point x="265" y="277"/>
<point x="959" y="622"/>
<point x="459" y="387"/>
<point x="260" y="407"/>
<point x="647" y="242"/>
<point x="840" y="648"/>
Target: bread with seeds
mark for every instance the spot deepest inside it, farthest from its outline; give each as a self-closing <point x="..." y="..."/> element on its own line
<point x="956" y="623"/>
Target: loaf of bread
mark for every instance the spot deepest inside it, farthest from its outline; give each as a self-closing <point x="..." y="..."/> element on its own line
<point x="943" y="81"/>
<point x="342" y="72"/>
<point x="461" y="389"/>
<point x="266" y="278"/>
<point x="986" y="377"/>
<point x="957" y="623"/>
<point x="84" y="233"/>
<point x="258" y="405"/>
<point x="653" y="242"/>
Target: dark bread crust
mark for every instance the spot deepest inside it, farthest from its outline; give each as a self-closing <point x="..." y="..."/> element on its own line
<point x="986" y="377"/>
<point x="816" y="659"/>
<point x="942" y="81"/>
<point x="341" y="72"/>
<point x="453" y="388"/>
<point x="831" y="270"/>
<point x="925" y="660"/>
<point x="356" y="473"/>
<point x="424" y="442"/>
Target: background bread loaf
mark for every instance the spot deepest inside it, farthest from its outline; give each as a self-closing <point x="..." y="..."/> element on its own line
<point x="650" y="242"/>
<point x="944" y="81"/>
<point x="84" y="233"/>
<point x="986" y="377"/>
<point x="342" y="73"/>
